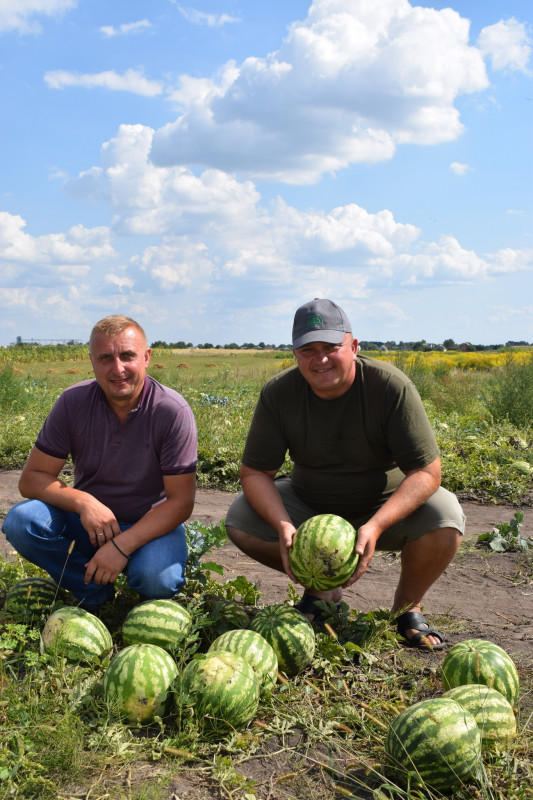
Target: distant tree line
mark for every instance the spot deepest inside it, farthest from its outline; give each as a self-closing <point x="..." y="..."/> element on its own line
<point x="447" y="344"/>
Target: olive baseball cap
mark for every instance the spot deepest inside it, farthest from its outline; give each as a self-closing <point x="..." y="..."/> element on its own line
<point x="319" y="320"/>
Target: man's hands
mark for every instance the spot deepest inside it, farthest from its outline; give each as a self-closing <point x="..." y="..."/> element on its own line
<point x="285" y="541"/>
<point x="367" y="536"/>
<point x="99" y="521"/>
<point x="106" y="564"/>
<point x="102" y="527"/>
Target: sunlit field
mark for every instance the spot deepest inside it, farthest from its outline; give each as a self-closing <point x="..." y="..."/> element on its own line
<point x="480" y="406"/>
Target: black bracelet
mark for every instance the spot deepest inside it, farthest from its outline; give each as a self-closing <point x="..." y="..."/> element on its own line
<point x="119" y="550"/>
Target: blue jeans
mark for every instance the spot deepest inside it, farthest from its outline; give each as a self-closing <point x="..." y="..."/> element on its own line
<point x="43" y="534"/>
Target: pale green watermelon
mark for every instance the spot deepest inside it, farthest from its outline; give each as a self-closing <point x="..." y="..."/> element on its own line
<point x="322" y="555"/>
<point x="32" y="598"/>
<point x="255" y="649"/>
<point x="223" y="689"/>
<point x="435" y="743"/>
<point x="162" y="622"/>
<point x="289" y="633"/>
<point x="481" y="661"/>
<point x="493" y="713"/>
<point x="138" y="683"/>
<point x="77" y="635"/>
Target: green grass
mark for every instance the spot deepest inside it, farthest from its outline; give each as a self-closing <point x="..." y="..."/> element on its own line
<point x="481" y="417"/>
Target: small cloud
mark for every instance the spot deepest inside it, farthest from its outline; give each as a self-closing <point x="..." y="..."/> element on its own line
<point x="507" y="44"/>
<point x="21" y="16"/>
<point x="126" y="28"/>
<point x="202" y="18"/>
<point x="514" y="212"/>
<point x="460" y="169"/>
<point x="131" y="81"/>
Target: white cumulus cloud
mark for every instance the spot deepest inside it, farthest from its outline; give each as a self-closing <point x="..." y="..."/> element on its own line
<point x="507" y="44"/>
<point x="131" y="81"/>
<point x="22" y="15"/>
<point x="53" y="257"/>
<point x="460" y="169"/>
<point x="203" y="18"/>
<point x="348" y="85"/>
<point x="126" y="29"/>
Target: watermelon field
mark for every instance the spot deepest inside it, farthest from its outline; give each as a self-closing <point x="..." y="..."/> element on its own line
<point x="328" y="722"/>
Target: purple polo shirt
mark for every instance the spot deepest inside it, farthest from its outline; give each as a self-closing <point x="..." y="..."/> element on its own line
<point x="122" y="465"/>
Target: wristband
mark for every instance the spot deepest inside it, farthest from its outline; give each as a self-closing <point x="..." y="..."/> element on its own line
<point x="122" y="553"/>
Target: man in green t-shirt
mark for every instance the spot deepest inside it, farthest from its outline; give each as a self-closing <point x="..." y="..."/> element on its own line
<point x="362" y="447"/>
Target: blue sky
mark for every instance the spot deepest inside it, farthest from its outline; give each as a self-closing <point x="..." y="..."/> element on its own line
<point x="206" y="168"/>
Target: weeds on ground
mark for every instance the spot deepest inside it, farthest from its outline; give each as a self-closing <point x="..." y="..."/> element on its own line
<point x="506" y="536"/>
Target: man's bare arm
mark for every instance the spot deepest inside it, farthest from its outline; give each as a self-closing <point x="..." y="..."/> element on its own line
<point x="39" y="481"/>
<point x="260" y="491"/>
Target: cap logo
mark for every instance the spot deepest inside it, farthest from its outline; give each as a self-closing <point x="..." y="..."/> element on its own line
<point x="314" y="319"/>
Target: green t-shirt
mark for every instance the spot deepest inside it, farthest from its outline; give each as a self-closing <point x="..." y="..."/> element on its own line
<point x="348" y="453"/>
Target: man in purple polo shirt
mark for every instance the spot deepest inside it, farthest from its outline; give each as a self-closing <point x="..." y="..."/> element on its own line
<point x="133" y="443"/>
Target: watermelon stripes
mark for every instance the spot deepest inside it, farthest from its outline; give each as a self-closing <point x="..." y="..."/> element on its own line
<point x="77" y="635"/>
<point x="223" y="689"/>
<point x="138" y="682"/>
<point x="436" y="742"/>
<point x="289" y="633"/>
<point x="481" y="661"/>
<point x="161" y="622"/>
<point x="322" y="555"/>
<point x="493" y="713"/>
<point x="255" y="649"/>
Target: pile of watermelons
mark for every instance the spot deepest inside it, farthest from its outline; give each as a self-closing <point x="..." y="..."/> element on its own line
<point x="438" y="741"/>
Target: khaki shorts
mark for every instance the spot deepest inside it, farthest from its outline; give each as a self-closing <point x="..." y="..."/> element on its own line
<point x="442" y="510"/>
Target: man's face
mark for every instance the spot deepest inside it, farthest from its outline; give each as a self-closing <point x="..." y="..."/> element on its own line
<point x="119" y="365"/>
<point x="329" y="369"/>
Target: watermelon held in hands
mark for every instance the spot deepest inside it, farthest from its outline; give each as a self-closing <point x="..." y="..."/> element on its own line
<point x="223" y="689"/>
<point x="138" y="683"/>
<point x="255" y="649"/>
<point x="434" y="742"/>
<point x="481" y="661"/>
<point x="164" y="623"/>
<point x="290" y="634"/>
<point x="76" y="635"/>
<point x="322" y="555"/>
<point x="30" y="599"/>
<point x="493" y="713"/>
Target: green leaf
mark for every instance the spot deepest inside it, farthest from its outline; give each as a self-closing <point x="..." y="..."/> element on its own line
<point x="212" y="566"/>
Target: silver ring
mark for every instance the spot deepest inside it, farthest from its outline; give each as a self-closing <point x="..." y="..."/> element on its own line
<point x="100" y="534"/>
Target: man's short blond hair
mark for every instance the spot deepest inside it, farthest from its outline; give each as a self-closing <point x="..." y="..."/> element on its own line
<point x="113" y="325"/>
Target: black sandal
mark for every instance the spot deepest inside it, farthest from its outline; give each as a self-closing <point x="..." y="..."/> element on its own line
<point x="414" y="620"/>
<point x="308" y="605"/>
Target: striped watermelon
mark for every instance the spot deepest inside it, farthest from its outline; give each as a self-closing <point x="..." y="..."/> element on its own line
<point x="493" y="713"/>
<point x="138" y="682"/>
<point x="162" y="622"/>
<point x="322" y="555"/>
<point x="228" y="616"/>
<point x="290" y="633"/>
<point x="434" y="742"/>
<point x="481" y="661"/>
<point x="32" y="598"/>
<point x="77" y="635"/>
<point x="223" y="689"/>
<point x="255" y="649"/>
